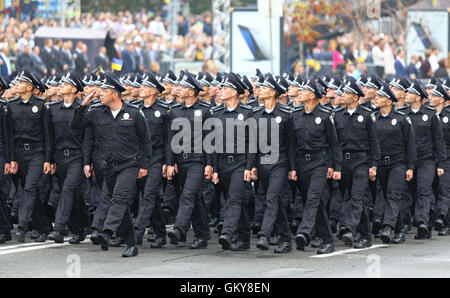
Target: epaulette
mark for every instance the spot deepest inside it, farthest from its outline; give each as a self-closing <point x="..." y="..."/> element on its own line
<point x="133" y="105"/>
<point x="50" y="103"/>
<point x="94" y="106"/>
<point x="366" y="109"/>
<point x="257" y="109"/>
<point x="247" y="107"/>
<point x="338" y="109"/>
<point x="297" y="108"/>
<point x="399" y="112"/>
<point x="325" y="107"/>
<point x="217" y="108"/>
<point x="163" y="105"/>
<point x="325" y="110"/>
<point x="161" y="100"/>
<point x="401" y="108"/>
<point x="13" y="99"/>
<point x="447" y="108"/>
<point x="204" y="104"/>
<point x="3" y="101"/>
<point x="430" y="108"/>
<point x="176" y="105"/>
<point x="40" y="98"/>
<point x="287" y="110"/>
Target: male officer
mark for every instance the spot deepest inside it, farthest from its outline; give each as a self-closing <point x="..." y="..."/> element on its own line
<point x="431" y="156"/>
<point x="315" y="156"/>
<point x="361" y="151"/>
<point x="397" y="163"/>
<point x="399" y="87"/>
<point x="68" y="156"/>
<point x="437" y="100"/>
<point x="272" y="166"/>
<point x="156" y="115"/>
<point x="30" y="152"/>
<point x="169" y="81"/>
<point x="190" y="162"/>
<point x="233" y="163"/>
<point x="370" y="90"/>
<point x="126" y="148"/>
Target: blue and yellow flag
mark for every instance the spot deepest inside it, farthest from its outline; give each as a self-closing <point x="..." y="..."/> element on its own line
<point x="116" y="64"/>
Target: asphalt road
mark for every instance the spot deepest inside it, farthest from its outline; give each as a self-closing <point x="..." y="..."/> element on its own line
<point x="415" y="258"/>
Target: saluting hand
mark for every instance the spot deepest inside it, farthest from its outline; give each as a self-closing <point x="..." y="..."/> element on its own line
<point x="87" y="100"/>
<point x="47" y="168"/>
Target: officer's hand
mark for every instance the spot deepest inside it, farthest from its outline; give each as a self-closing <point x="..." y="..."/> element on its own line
<point x="215" y="178"/>
<point x="87" y="171"/>
<point x="440" y="172"/>
<point x="47" y="168"/>
<point x="142" y="173"/>
<point x="409" y="175"/>
<point x="292" y="175"/>
<point x="164" y="171"/>
<point x="170" y="172"/>
<point x="337" y="176"/>
<point x="7" y="168"/>
<point x="53" y="171"/>
<point x="254" y="174"/>
<point x="208" y="172"/>
<point x="372" y="174"/>
<point x="14" y="167"/>
<point x="330" y="173"/>
<point x="87" y="100"/>
<point x="247" y="175"/>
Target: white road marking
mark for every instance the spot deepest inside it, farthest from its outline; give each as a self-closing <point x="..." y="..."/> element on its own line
<point x="30" y="248"/>
<point x="347" y="251"/>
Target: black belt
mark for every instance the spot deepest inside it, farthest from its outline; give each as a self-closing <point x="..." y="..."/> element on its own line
<point x="190" y="155"/>
<point x="233" y="158"/>
<point x="308" y="156"/>
<point x="29" y="146"/>
<point x="354" y="154"/>
<point x="68" y="152"/>
<point x="387" y="159"/>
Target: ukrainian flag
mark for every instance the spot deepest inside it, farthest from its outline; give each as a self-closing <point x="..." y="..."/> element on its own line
<point x="116" y="64"/>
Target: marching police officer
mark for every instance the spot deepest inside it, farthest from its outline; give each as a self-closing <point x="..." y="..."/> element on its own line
<point x="397" y="163"/>
<point x="431" y="155"/>
<point x="126" y="148"/>
<point x="233" y="163"/>
<point x="361" y="152"/>
<point x="314" y="156"/>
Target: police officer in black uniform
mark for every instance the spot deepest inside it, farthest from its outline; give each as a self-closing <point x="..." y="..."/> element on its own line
<point x="397" y="163"/>
<point x="437" y="100"/>
<point x="126" y="148"/>
<point x="314" y="156"/>
<point x="233" y="163"/>
<point x="431" y="156"/>
<point x="68" y="158"/>
<point x="272" y="165"/>
<point x="190" y="162"/>
<point x="156" y="114"/>
<point x="361" y="153"/>
<point x="30" y="152"/>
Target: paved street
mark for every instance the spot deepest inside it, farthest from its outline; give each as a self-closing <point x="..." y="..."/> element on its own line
<point x="416" y="258"/>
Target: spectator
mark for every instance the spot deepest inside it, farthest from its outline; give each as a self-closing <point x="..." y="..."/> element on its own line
<point x="138" y="55"/>
<point x="157" y="27"/>
<point x="24" y="60"/>
<point x="5" y="64"/>
<point x="48" y="56"/>
<point x="441" y="72"/>
<point x="425" y="70"/>
<point x="67" y="54"/>
<point x="129" y="64"/>
<point x="378" y="57"/>
<point x="101" y="59"/>
<point x="413" y="71"/>
<point x="400" y="68"/>
<point x="38" y="64"/>
<point x="434" y="58"/>
<point x="155" y="67"/>
<point x="338" y="60"/>
<point x="389" y="61"/>
<point x="61" y="66"/>
<point x="207" y="27"/>
<point x="25" y="40"/>
<point x="81" y="60"/>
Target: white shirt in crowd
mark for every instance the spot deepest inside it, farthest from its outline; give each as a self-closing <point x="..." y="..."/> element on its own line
<point x="378" y="56"/>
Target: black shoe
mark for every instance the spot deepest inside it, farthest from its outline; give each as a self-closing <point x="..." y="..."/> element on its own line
<point x="95" y="237"/>
<point x="20" y="236"/>
<point x="294" y="226"/>
<point x="348" y="239"/>
<point x="275" y="240"/>
<point x="218" y="229"/>
<point x="302" y="241"/>
<point x="316" y="243"/>
<point x="213" y="222"/>
<point x="443" y="232"/>
<point x="77" y="239"/>
<point x="159" y="242"/>
<point x="151" y="238"/>
<point x="333" y="226"/>
<point x="284" y="247"/>
<point x="167" y="214"/>
<point x="182" y="237"/>
<point x="5" y="238"/>
<point x="439" y="224"/>
<point x="198" y="244"/>
<point x="104" y="240"/>
<point x="407" y="228"/>
<point x="66" y="231"/>
<point x="256" y="228"/>
<point x="422" y="232"/>
<point x="131" y="251"/>
<point x="41" y="238"/>
<point x="342" y="231"/>
<point x="386" y="235"/>
<point x="117" y="242"/>
<point x="56" y="236"/>
<point x="325" y="248"/>
<point x="14" y="218"/>
<point x="174" y="236"/>
<point x="263" y="243"/>
<point x="377" y="226"/>
<point x="362" y="243"/>
<point x="240" y="246"/>
<point x="225" y="241"/>
<point x="399" y="238"/>
<point x="34" y="234"/>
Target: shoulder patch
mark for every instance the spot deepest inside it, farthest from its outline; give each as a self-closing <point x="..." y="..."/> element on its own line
<point x="338" y="110"/>
<point x="204" y="104"/>
<point x="366" y="109"/>
<point x="297" y="108"/>
<point x="247" y="107"/>
<point x="372" y="116"/>
<point x="163" y="105"/>
<point x="39" y="98"/>
<point x="430" y="108"/>
<point x="286" y="110"/>
<point x="325" y="110"/>
<point x="13" y="99"/>
<point x="257" y="109"/>
<point x="399" y="112"/>
<point x="217" y="108"/>
<point x="94" y="106"/>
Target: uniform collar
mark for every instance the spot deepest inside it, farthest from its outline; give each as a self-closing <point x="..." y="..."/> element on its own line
<point x="30" y="101"/>
<point x="234" y="110"/>
<point x="193" y="106"/>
